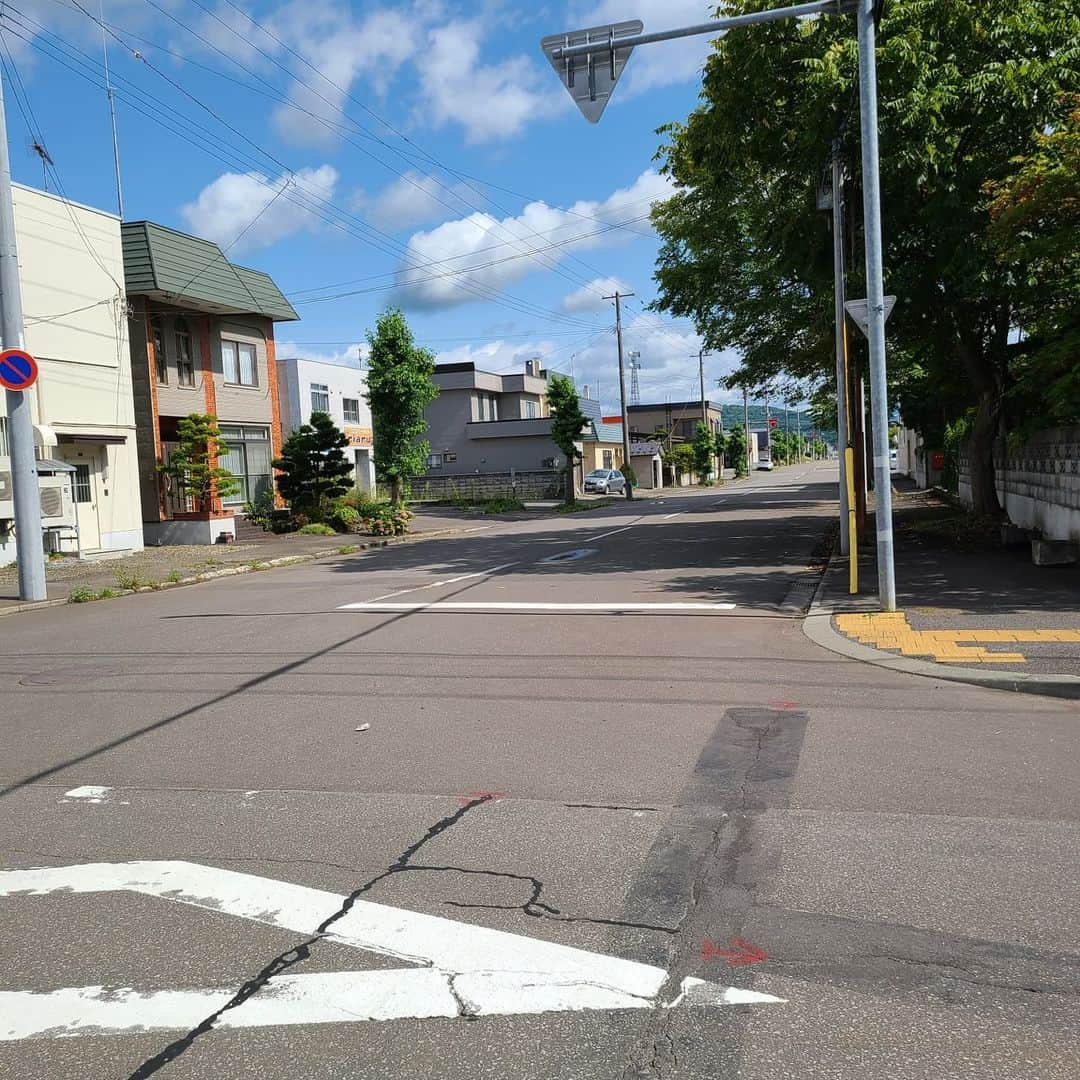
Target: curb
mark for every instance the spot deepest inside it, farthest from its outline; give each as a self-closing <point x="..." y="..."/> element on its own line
<point x="244" y="568"/>
<point x="817" y="626"/>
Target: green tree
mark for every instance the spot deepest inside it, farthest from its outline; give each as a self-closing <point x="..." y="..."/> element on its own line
<point x="1036" y="221"/>
<point x="736" y="448"/>
<point x="567" y="424"/>
<point x="192" y="467"/>
<point x="720" y="448"/>
<point x="703" y="447"/>
<point x="964" y="87"/>
<point x="313" y="467"/>
<point x="679" y="458"/>
<point x="399" y="388"/>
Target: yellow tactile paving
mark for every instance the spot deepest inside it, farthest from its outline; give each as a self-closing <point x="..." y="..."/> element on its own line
<point x="891" y="630"/>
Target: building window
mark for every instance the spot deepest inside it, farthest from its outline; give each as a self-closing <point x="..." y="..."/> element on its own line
<point x="528" y="410"/>
<point x="351" y="408"/>
<point x="433" y="461"/>
<point x="609" y="459"/>
<point x="83" y="493"/>
<point x="487" y="407"/>
<point x="185" y="363"/>
<point x="161" y="359"/>
<point x="320" y="397"/>
<point x="238" y="363"/>
<point x="4" y="452"/>
<point x="245" y="452"/>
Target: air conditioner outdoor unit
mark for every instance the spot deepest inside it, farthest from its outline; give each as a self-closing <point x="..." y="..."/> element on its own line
<point x="57" y="505"/>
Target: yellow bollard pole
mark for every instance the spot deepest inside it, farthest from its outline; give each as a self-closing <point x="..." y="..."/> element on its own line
<point x="853" y="533"/>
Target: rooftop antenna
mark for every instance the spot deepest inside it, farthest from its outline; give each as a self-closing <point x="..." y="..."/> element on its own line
<point x="38" y="148"/>
<point x="112" y="110"/>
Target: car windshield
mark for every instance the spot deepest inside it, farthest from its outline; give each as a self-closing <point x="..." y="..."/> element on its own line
<point x="599" y="474"/>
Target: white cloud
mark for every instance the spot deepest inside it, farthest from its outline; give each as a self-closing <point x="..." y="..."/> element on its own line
<point x="483" y="241"/>
<point x="414" y="199"/>
<point x="489" y="100"/>
<point x="236" y="202"/>
<point x="663" y="63"/>
<point x="591" y="297"/>
<point x="340" y="46"/>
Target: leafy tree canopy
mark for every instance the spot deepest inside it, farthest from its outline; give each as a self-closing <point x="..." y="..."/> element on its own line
<point x="567" y="424"/>
<point x="964" y="88"/>
<point x="399" y="388"/>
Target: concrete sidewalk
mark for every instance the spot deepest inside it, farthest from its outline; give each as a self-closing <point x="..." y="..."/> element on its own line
<point x="969" y="610"/>
<point x="167" y="566"/>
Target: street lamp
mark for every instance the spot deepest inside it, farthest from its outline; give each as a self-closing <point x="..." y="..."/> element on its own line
<point x="589" y="63"/>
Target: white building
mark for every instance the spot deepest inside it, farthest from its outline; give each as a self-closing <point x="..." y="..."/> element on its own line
<point x="308" y="386"/>
<point x="76" y="316"/>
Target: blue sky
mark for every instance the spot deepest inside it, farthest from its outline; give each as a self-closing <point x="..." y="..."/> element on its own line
<point x="422" y="154"/>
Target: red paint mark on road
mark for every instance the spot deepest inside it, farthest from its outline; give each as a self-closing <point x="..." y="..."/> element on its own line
<point x="479" y="796"/>
<point x="742" y="952"/>
<point x="783" y="704"/>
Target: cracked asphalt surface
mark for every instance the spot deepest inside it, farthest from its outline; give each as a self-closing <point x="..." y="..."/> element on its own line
<point x="905" y="852"/>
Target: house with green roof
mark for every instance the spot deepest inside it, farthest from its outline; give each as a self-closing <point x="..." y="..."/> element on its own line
<point x="202" y="341"/>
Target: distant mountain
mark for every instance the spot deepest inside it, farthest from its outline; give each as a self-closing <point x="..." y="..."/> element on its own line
<point x="733" y="415"/>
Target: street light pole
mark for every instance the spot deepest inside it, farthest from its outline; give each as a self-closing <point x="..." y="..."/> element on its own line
<point x="875" y="303"/>
<point x="24" y="480"/>
<point x="841" y="351"/>
<point x="618" y="297"/>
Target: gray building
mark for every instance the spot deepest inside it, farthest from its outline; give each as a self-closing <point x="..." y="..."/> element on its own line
<point x="484" y="422"/>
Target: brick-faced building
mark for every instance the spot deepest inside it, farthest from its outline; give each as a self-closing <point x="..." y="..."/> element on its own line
<point x="202" y="340"/>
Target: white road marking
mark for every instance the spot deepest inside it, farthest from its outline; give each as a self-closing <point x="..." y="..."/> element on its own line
<point x="438" y="584"/>
<point x="590" y="539"/>
<point x="528" y="605"/>
<point x="470" y="970"/>
<point x="89" y="792"/>
<point x="676" y="514"/>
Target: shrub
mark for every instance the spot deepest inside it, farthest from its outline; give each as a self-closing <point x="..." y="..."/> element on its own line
<point x="126" y="580"/>
<point x="390" y="521"/>
<point x="316" y="528"/>
<point x="504" y="505"/>
<point x="343" y="518"/>
<point x="81" y="595"/>
<point x="365" y="504"/>
<point x="260" y="511"/>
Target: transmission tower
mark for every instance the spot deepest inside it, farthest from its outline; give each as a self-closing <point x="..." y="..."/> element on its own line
<point x="635" y="383"/>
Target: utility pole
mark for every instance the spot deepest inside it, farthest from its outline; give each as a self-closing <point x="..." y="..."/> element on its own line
<point x="875" y="301"/>
<point x="842" y="378"/>
<point x="746" y="428"/>
<point x="618" y="298"/>
<point x="24" y="480"/>
<point x="701" y="379"/>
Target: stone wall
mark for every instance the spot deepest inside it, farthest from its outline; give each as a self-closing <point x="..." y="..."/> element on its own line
<point x="1039" y="484"/>
<point x="541" y="484"/>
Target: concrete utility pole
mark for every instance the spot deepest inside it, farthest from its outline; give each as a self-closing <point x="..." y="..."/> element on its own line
<point x="701" y="379"/>
<point x="24" y="480"/>
<point x="618" y="297"/>
<point x="746" y="428"/>
<point x="839" y="297"/>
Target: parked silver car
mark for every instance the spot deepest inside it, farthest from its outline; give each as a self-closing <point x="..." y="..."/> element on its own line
<point x="605" y="481"/>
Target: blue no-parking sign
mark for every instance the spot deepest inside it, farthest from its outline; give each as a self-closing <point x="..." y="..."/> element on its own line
<point x="18" y="369"/>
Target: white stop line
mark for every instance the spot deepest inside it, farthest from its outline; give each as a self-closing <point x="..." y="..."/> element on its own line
<point x="465" y="970"/>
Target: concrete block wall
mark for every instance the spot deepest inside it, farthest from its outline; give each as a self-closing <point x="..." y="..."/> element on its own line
<point x="542" y="484"/>
<point x="1039" y="484"/>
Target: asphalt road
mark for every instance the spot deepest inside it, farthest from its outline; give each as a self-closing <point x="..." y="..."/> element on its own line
<point x="556" y="815"/>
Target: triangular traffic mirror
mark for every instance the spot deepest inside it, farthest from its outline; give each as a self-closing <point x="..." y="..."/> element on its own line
<point x="591" y="77"/>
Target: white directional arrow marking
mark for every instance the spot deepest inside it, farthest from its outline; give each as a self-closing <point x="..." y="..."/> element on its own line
<point x="467" y="970"/>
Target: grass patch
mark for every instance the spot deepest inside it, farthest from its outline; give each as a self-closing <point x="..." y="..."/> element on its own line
<point x="255" y="564"/>
<point x="578" y="506"/>
<point x="506" y="504"/>
<point x="81" y="595"/>
<point x="173" y="576"/>
<point x="126" y="580"/>
<point x="316" y="528"/>
<point x="348" y="549"/>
